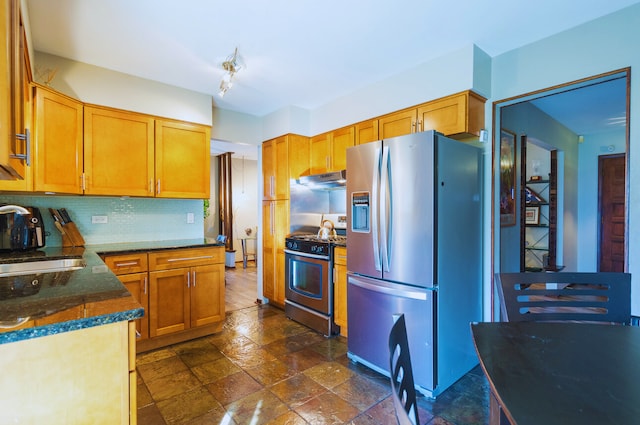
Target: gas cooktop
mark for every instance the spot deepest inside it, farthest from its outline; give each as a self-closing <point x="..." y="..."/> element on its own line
<point x="315" y="238"/>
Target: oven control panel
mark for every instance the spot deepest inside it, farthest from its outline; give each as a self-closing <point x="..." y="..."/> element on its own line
<point x="310" y="247"/>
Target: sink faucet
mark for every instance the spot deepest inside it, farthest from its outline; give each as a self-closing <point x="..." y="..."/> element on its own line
<point x="5" y="209"/>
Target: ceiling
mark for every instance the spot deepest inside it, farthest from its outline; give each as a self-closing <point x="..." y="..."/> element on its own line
<point x="296" y="53"/>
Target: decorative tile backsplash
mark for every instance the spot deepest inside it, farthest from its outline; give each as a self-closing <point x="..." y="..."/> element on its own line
<point x="128" y="219"/>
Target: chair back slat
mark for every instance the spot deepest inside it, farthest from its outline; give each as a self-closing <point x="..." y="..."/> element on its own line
<point x="402" y="385"/>
<point x="564" y="296"/>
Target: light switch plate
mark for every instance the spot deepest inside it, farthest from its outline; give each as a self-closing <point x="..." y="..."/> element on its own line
<point x="190" y="218"/>
<point x="99" y="219"/>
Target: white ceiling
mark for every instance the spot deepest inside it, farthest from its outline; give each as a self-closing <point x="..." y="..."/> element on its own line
<point x="298" y="52"/>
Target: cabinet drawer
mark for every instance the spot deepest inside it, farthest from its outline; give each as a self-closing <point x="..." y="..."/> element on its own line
<point x="340" y="256"/>
<point x="125" y="264"/>
<point x="177" y="258"/>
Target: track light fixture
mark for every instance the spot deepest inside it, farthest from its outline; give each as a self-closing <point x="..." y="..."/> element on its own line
<point x="231" y="65"/>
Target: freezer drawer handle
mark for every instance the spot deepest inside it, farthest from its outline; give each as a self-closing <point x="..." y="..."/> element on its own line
<point x="404" y="293"/>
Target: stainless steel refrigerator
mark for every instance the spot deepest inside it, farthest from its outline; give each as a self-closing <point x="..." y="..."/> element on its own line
<point x="414" y="247"/>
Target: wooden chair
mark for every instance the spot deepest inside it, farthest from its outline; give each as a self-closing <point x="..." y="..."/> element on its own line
<point x="565" y="296"/>
<point x="402" y="387"/>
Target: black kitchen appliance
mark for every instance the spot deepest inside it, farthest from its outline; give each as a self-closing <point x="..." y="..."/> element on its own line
<point x="309" y="281"/>
<point x="21" y="232"/>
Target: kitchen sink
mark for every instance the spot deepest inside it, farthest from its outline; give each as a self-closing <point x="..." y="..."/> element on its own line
<point x="41" y="266"/>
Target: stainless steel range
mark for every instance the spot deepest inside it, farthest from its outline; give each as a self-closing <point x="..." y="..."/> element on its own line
<point x="309" y="281"/>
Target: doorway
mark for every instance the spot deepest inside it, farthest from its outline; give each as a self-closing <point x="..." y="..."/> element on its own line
<point x="612" y="206"/>
<point x="561" y="117"/>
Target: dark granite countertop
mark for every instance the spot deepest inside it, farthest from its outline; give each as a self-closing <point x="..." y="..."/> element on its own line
<point x="51" y="303"/>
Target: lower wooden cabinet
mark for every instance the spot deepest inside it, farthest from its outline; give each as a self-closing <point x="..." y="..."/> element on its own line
<point x="182" y="292"/>
<point x="340" y="288"/>
<point x="131" y="269"/>
<point x="275" y="216"/>
<point x="184" y="298"/>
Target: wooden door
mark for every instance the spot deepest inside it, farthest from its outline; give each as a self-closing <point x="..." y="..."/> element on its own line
<point x="298" y="158"/>
<point x="207" y="294"/>
<point x="137" y="285"/>
<point x="340" y="289"/>
<point x="268" y="249"/>
<point x="276" y="226"/>
<point x="183" y="160"/>
<point x="341" y="140"/>
<point x="275" y="163"/>
<point x="319" y="153"/>
<point x="397" y="124"/>
<point x="281" y="151"/>
<point x="169" y="302"/>
<point x="58" y="143"/>
<point x="118" y="152"/>
<point x="366" y="132"/>
<point x="611" y="191"/>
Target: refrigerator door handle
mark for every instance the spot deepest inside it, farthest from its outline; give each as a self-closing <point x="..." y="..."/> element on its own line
<point x="385" y="209"/>
<point x="375" y="237"/>
<point x="402" y="291"/>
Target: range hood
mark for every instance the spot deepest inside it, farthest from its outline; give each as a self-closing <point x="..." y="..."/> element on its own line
<point x="332" y="180"/>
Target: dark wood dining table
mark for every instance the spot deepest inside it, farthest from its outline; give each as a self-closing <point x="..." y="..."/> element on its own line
<point x="560" y="373"/>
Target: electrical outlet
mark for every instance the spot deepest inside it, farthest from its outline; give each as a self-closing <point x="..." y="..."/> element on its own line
<point x="190" y="218"/>
<point x="99" y="219"/>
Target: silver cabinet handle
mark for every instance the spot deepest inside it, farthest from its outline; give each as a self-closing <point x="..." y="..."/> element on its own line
<point x="130" y="263"/>
<point x="145" y="285"/>
<point x="26" y="156"/>
<point x="188" y="279"/>
<point x="203" y="257"/>
<point x="194" y="278"/>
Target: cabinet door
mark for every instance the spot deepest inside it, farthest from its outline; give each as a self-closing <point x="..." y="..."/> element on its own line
<point x="118" y="152"/>
<point x="183" y="160"/>
<point x="276" y="226"/>
<point x="268" y="249"/>
<point x="275" y="166"/>
<point x="319" y="153"/>
<point x="340" y="289"/>
<point x="58" y="143"/>
<point x="127" y="263"/>
<point x="169" y="303"/>
<point x="366" y="132"/>
<point x="459" y="116"/>
<point x="397" y="124"/>
<point x="137" y="285"/>
<point x="298" y="157"/>
<point x="207" y="294"/>
<point x="341" y="140"/>
<point x="12" y="79"/>
<point x="6" y="77"/>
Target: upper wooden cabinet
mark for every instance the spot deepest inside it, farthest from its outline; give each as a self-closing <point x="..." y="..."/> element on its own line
<point x="341" y="139"/>
<point x="14" y="80"/>
<point x="366" y="132"/>
<point x="118" y="152"/>
<point x="183" y="160"/>
<point x="275" y="168"/>
<point x="319" y="153"/>
<point x="459" y="116"/>
<point x="298" y="157"/>
<point x="58" y="144"/>
<point x="328" y="151"/>
<point x="398" y="123"/>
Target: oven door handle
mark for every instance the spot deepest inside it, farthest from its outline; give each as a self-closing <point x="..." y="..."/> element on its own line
<point x="307" y="255"/>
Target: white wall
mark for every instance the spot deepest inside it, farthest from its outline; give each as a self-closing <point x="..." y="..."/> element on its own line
<point x="100" y="86"/>
<point x="596" y="47"/>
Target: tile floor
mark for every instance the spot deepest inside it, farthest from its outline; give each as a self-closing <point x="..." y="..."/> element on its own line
<point x="266" y="369"/>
